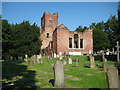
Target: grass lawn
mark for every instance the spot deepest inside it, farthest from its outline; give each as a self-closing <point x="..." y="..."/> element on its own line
<point x="19" y="75"/>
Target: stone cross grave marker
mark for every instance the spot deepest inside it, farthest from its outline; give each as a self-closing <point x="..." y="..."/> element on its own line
<point x="69" y="61"/>
<point x="112" y="75"/>
<point x="59" y="74"/>
<point x="92" y="61"/>
<point x="118" y="51"/>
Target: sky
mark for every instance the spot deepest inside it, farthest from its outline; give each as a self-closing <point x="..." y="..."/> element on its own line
<point x="71" y="14"/>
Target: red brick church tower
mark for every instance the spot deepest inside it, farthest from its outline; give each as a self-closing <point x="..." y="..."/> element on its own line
<point x="48" y="24"/>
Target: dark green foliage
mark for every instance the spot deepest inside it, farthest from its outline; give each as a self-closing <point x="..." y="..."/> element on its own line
<point x="81" y="29"/>
<point x="100" y="38"/>
<point x="6" y="38"/>
<point x="20" y="39"/>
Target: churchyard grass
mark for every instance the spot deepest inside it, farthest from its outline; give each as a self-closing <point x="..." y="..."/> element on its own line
<point x="75" y="77"/>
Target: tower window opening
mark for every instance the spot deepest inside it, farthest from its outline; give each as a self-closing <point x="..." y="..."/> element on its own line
<point x="47" y="35"/>
<point x="50" y="21"/>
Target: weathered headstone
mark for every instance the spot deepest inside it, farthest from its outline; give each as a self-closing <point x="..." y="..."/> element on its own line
<point x="113" y="51"/>
<point x="38" y="58"/>
<point x="64" y="62"/>
<point x="61" y="57"/>
<point x="34" y="58"/>
<point x="92" y="61"/>
<point x="41" y="61"/>
<point x="112" y="75"/>
<point x="26" y="58"/>
<point x="103" y="55"/>
<point x="76" y="62"/>
<point x="64" y="54"/>
<point x="118" y="51"/>
<point x="59" y="74"/>
<point x="69" y="61"/>
<point x="31" y="63"/>
<point x="105" y="64"/>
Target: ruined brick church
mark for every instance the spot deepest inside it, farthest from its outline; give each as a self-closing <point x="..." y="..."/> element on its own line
<point x="58" y="40"/>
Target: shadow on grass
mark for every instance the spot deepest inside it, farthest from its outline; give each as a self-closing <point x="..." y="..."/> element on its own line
<point x="109" y="57"/>
<point x="17" y="76"/>
<point x="52" y="81"/>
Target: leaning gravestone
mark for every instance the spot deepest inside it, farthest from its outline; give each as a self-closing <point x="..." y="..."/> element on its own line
<point x="69" y="61"/>
<point x="59" y="74"/>
<point x="112" y="75"/>
<point x="92" y="61"/>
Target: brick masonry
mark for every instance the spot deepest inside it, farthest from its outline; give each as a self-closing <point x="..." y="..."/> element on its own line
<point x="58" y="40"/>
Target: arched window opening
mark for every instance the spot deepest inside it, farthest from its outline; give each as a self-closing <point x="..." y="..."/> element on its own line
<point x="70" y="42"/>
<point x="81" y="43"/>
<point x="47" y="35"/>
<point x="76" y="41"/>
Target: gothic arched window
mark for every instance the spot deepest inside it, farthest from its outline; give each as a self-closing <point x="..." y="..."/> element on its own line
<point x="75" y="40"/>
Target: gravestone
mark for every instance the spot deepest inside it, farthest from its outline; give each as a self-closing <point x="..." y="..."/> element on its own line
<point x="105" y="64"/>
<point x="112" y="75"/>
<point x="41" y="61"/>
<point x="92" y="61"/>
<point x="59" y="74"/>
<point x="76" y="62"/>
<point x="61" y="57"/>
<point x="64" y="62"/>
<point x="31" y="63"/>
<point x="64" y="54"/>
<point x="118" y="51"/>
<point x="60" y="54"/>
<point x="26" y="58"/>
<point x="103" y="55"/>
<point x="34" y="58"/>
<point x="69" y="61"/>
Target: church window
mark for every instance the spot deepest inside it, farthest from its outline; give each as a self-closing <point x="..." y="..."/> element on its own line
<point x="81" y="43"/>
<point x="50" y="21"/>
<point x="70" y="42"/>
<point x="47" y="35"/>
<point x="76" y="41"/>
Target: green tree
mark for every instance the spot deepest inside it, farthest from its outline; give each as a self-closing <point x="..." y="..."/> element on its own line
<point x="100" y="38"/>
<point x="81" y="29"/>
<point x="6" y="39"/>
<point x="23" y="38"/>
